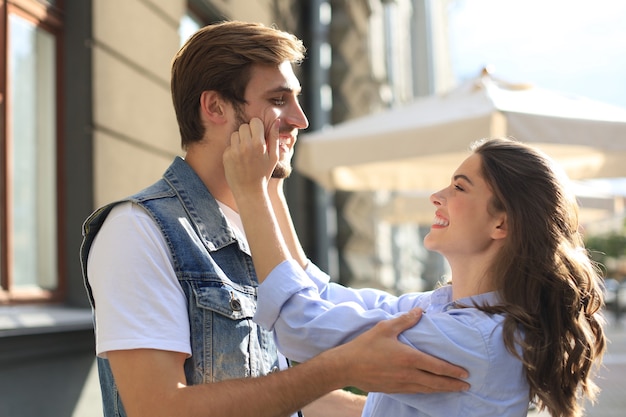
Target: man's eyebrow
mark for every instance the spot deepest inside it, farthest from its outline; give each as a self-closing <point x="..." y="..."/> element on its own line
<point x="285" y="89"/>
<point x="463" y="177"/>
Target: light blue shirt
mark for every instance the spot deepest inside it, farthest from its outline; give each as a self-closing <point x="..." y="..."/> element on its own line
<point x="309" y="315"/>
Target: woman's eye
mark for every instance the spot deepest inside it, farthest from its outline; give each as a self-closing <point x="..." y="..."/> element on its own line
<point x="458" y="187"/>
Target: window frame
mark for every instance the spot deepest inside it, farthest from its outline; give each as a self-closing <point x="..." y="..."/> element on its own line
<point x="49" y="18"/>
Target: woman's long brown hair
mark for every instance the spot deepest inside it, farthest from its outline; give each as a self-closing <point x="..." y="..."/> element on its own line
<point x="551" y="290"/>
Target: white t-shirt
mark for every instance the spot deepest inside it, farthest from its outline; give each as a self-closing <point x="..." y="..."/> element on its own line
<point x="139" y="302"/>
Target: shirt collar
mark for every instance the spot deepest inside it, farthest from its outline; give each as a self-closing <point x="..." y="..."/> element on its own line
<point x="442" y="297"/>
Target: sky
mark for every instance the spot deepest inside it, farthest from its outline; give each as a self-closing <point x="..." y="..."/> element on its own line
<point x="572" y="46"/>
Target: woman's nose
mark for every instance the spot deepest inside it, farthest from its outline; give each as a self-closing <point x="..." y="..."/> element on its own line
<point x="437" y="198"/>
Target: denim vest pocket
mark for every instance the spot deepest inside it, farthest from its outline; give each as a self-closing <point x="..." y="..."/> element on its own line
<point x="232" y="301"/>
<point x="233" y="345"/>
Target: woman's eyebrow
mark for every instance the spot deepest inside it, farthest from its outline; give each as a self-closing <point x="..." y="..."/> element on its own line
<point x="463" y="177"/>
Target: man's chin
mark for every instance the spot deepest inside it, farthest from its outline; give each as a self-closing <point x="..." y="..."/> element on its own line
<point x="281" y="171"/>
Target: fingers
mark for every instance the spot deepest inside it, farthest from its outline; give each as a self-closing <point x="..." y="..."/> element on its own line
<point x="248" y="134"/>
<point x="406" y="369"/>
<point x="272" y="139"/>
<point x="417" y="381"/>
<point x="399" y="324"/>
<point x="437" y="366"/>
<point x="250" y="160"/>
<point x="253" y="134"/>
<point x="253" y="131"/>
<point x="422" y="361"/>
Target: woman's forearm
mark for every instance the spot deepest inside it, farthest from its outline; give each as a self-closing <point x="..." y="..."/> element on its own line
<point x="285" y="222"/>
<point x="262" y="231"/>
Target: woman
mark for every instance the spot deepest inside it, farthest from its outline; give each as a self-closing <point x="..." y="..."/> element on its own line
<point x="521" y="312"/>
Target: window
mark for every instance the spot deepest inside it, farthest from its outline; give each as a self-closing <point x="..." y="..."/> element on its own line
<point x="189" y="24"/>
<point x="29" y="138"/>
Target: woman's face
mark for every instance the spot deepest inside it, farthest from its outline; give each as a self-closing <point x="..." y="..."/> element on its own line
<point x="463" y="224"/>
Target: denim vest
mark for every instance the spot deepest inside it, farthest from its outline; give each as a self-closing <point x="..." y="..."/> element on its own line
<point x="216" y="273"/>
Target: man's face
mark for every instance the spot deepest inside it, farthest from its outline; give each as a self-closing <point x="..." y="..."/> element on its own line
<point x="272" y="93"/>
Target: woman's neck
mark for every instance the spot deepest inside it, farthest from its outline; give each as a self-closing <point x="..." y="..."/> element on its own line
<point x="470" y="279"/>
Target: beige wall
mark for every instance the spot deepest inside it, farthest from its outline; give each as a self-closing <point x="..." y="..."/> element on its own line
<point x="252" y="11"/>
<point x="135" y="131"/>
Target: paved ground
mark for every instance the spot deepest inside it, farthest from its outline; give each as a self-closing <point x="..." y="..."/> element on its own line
<point x="612" y="377"/>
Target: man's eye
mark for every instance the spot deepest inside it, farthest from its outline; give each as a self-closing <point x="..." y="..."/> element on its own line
<point x="278" y="101"/>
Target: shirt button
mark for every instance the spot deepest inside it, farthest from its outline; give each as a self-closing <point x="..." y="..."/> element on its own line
<point x="274" y="369"/>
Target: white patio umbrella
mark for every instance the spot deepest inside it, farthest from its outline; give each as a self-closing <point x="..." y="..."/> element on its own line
<point x="418" y="146"/>
<point x="595" y="204"/>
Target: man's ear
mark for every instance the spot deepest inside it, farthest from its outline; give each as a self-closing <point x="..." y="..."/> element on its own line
<point x="212" y="106"/>
<point x="500" y="230"/>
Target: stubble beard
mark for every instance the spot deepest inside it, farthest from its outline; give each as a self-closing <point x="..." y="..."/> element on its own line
<point x="282" y="170"/>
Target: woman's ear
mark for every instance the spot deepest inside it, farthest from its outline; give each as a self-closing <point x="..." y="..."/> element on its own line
<point x="500" y="229"/>
<point x="212" y="107"/>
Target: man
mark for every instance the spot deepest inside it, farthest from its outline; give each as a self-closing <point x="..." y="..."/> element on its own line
<point x="171" y="279"/>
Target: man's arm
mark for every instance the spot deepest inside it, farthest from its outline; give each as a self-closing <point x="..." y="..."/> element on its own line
<point x="152" y="382"/>
<point x="338" y="403"/>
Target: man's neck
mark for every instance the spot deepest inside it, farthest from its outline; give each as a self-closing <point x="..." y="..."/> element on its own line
<point x="211" y="173"/>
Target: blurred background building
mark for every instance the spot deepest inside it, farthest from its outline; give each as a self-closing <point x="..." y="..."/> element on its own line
<point x="86" y="118"/>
